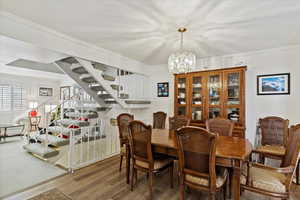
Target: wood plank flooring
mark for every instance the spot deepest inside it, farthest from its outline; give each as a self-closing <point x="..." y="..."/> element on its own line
<point x="103" y="181"/>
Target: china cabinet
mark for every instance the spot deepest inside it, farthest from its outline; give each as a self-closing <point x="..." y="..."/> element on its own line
<point x="213" y="93"/>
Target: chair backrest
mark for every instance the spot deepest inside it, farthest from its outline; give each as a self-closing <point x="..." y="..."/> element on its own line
<point x="159" y="120"/>
<point x="123" y="121"/>
<point x="221" y="126"/>
<point x="293" y="146"/>
<point x="197" y="153"/>
<point x="140" y="141"/>
<point x="291" y="157"/>
<point x="178" y="122"/>
<point x="274" y="130"/>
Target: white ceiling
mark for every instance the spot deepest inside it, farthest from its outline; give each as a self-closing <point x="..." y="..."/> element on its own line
<point x="145" y="30"/>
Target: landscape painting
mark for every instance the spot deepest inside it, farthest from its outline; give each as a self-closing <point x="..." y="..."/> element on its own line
<point x="273" y="84"/>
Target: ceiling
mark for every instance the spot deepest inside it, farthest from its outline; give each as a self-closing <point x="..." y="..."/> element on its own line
<point x="145" y="30"/>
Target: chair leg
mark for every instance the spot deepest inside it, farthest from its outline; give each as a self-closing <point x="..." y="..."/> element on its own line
<point x="171" y="168"/>
<point x="150" y="183"/>
<point x="230" y="183"/>
<point x="121" y="160"/>
<point x="212" y="196"/>
<point x="182" y="191"/>
<point x="297" y="173"/>
<point x="132" y="176"/>
<point x="224" y="193"/>
<point x="136" y="175"/>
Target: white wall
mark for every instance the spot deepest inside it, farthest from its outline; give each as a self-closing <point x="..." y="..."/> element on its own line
<point x="30" y="80"/>
<point x="271" y="61"/>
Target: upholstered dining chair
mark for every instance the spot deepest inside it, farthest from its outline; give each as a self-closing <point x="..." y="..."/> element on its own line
<point x="159" y="120"/>
<point x="221" y="126"/>
<point x="177" y="122"/>
<point x="123" y="121"/>
<point x="142" y="157"/>
<point x="274" y="135"/>
<point x="197" y="163"/>
<point x="270" y="181"/>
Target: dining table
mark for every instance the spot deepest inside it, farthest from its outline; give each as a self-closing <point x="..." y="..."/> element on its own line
<point x="231" y="152"/>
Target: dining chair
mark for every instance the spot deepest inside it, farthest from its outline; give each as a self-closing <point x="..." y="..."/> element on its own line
<point x="271" y="181"/>
<point x="159" y="120"/>
<point x="177" y="122"/>
<point x="221" y="126"/>
<point x="142" y="157"/>
<point x="123" y="121"/>
<point x="274" y="135"/>
<point x="197" y="161"/>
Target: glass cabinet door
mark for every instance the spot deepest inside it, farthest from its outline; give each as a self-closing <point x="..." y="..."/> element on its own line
<point x="233" y="88"/>
<point x="214" y="89"/>
<point x="181" y="96"/>
<point x="233" y="96"/>
<point x="214" y="95"/>
<point x="197" y="97"/>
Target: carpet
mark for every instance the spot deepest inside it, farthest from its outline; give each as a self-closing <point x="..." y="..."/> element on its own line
<point x="18" y="166"/>
<point x="53" y="194"/>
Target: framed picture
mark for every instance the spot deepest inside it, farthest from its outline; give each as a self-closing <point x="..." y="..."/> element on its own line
<point x="45" y="91"/>
<point x="65" y="93"/>
<point x="163" y="89"/>
<point x="273" y="84"/>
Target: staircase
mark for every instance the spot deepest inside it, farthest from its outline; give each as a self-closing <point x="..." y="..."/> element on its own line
<point x="104" y="88"/>
<point x="78" y="124"/>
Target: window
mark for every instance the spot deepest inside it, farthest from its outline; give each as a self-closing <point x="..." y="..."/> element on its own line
<point x="12" y="98"/>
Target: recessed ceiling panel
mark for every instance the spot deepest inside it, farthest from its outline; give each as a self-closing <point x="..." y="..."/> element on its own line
<point x="28" y="64"/>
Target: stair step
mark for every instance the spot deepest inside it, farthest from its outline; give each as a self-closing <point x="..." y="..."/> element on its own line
<point x="108" y="77"/>
<point x="53" y="140"/>
<point x="70" y="60"/>
<point x="99" y="66"/>
<point x="89" y="115"/>
<point x="123" y="96"/>
<point x="104" y="95"/>
<point x="68" y="122"/>
<point x="110" y="101"/>
<point x="87" y="78"/>
<point x="96" y="87"/>
<point x="79" y="69"/>
<point x="116" y="87"/>
<point x="137" y="102"/>
<point x="41" y="150"/>
<point x="59" y="130"/>
<point x="104" y="108"/>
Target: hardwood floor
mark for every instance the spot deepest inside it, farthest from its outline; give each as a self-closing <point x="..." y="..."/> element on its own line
<point x="103" y="181"/>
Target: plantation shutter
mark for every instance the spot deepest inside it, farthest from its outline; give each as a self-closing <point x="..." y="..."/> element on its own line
<point x="5" y="97"/>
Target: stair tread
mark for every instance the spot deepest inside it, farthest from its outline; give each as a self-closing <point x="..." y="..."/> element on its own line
<point x="108" y="77"/>
<point x="88" y="115"/>
<point x="41" y="150"/>
<point x="53" y="140"/>
<point x="136" y="101"/>
<point x="68" y="122"/>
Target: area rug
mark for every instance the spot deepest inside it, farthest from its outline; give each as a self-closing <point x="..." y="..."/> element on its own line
<point x="53" y="194"/>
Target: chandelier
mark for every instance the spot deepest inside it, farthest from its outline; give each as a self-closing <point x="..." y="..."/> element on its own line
<point x="181" y="61"/>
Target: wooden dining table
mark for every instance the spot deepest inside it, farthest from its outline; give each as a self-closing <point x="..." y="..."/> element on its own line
<point x="230" y="152"/>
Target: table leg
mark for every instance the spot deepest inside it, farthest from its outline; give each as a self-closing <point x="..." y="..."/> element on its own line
<point x="127" y="163"/>
<point x="5" y="132"/>
<point x="236" y="187"/>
